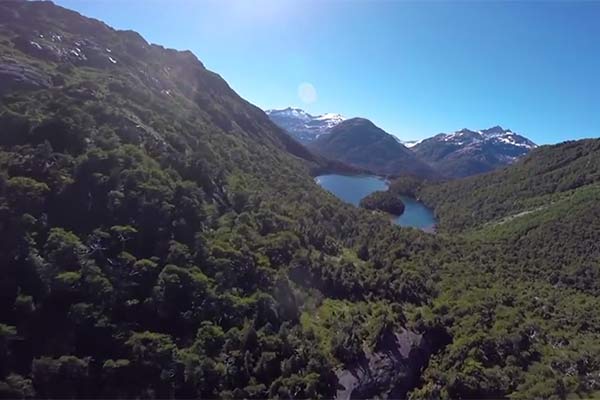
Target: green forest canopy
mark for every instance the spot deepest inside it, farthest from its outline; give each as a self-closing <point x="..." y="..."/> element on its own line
<point x="161" y="238"/>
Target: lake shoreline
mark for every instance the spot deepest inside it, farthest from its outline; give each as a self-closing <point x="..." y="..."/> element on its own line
<point x="351" y="188"/>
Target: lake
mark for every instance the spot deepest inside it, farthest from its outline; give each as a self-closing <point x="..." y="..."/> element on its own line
<point x="352" y="189"/>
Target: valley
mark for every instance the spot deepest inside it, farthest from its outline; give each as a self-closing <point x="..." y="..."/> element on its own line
<point x="352" y="189"/>
<point x="360" y="143"/>
<point x="163" y="237"/>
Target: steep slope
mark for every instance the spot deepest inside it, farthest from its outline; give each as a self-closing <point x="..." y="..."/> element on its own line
<point x="543" y="210"/>
<point x="467" y="152"/>
<point x="164" y="75"/>
<point x="359" y="142"/>
<point x="301" y="125"/>
<point x="161" y="237"/>
<point x="173" y="245"/>
<point x="532" y="281"/>
<point x="536" y="182"/>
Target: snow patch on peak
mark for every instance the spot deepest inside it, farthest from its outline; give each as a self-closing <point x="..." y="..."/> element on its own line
<point x="331" y="116"/>
<point x="492" y="136"/>
<point x="291" y="112"/>
<point x="410" y="143"/>
<point x="515" y="140"/>
<point x="302" y="125"/>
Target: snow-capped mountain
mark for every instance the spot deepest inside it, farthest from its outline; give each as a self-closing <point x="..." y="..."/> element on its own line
<point x="495" y="135"/>
<point x="303" y="126"/>
<point x="468" y="152"/>
<point x="458" y="154"/>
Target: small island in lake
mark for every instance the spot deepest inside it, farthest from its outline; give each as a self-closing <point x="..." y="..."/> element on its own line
<point x="353" y="188"/>
<point x="383" y="201"/>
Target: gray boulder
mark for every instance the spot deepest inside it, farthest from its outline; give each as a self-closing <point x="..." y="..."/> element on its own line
<point x="390" y="371"/>
<point x="16" y="76"/>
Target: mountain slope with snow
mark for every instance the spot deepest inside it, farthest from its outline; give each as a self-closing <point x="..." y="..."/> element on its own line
<point x="468" y="152"/>
<point x="360" y="143"/>
<point x="462" y="153"/>
<point x="301" y="125"/>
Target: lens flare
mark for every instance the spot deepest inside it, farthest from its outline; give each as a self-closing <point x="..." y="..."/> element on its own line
<point x="307" y="93"/>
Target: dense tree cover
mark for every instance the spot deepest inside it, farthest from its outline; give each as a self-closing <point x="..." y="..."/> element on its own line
<point x="161" y="238"/>
<point x="546" y="176"/>
<point x="386" y="201"/>
<point x="408" y="185"/>
<point x="526" y="298"/>
<point x="543" y="212"/>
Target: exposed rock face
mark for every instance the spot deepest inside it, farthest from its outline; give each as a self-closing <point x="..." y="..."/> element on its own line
<point x="17" y="76"/>
<point x="391" y="370"/>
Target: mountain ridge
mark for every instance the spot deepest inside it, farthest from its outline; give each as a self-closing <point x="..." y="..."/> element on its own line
<point x="303" y="126"/>
<point x="462" y="153"/>
<point x="359" y="142"/>
<point x="467" y="152"/>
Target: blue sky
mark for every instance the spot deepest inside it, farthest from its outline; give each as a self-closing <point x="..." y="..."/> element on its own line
<point x="414" y="69"/>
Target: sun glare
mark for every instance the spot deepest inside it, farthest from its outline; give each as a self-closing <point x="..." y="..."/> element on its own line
<point x="307" y="93"/>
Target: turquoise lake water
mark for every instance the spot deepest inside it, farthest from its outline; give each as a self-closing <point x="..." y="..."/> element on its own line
<point x="352" y="189"/>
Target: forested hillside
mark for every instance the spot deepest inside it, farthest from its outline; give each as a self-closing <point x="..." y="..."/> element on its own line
<point x="548" y="177"/>
<point x="523" y="292"/>
<point x="535" y="226"/>
<point x="544" y="211"/>
<point x="162" y="238"/>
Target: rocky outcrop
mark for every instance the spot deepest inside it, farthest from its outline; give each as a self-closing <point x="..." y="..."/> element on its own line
<point x="55" y="48"/>
<point x="390" y="371"/>
<point x="14" y="75"/>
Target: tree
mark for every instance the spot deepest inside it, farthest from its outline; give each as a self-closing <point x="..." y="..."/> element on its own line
<point x="26" y="195"/>
<point x="66" y="376"/>
<point x="7" y="334"/>
<point x="64" y="250"/>
<point x="15" y="386"/>
<point x="182" y="296"/>
<point x="153" y="356"/>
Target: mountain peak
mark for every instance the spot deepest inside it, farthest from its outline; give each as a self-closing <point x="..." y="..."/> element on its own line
<point x="331" y="116"/>
<point x="361" y="143"/>
<point x="467" y="152"/>
<point x="495" y="130"/>
<point x="303" y="126"/>
<point x="294" y="109"/>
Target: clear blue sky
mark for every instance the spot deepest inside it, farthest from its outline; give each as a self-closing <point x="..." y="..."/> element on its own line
<point x="415" y="69"/>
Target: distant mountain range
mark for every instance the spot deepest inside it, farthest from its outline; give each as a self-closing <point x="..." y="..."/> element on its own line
<point x="468" y="152"/>
<point x="301" y="125"/>
<point x="360" y="143"/>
